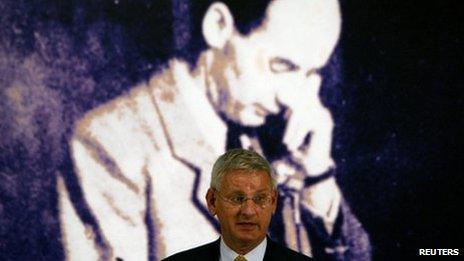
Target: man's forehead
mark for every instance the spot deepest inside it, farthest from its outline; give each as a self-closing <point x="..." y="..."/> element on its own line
<point x="240" y="177"/>
<point x="244" y="172"/>
<point x="300" y="27"/>
<point x="301" y="12"/>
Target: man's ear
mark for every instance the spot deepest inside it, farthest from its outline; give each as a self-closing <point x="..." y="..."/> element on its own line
<point x="218" y="25"/>
<point x="274" y="196"/>
<point x="211" y="201"/>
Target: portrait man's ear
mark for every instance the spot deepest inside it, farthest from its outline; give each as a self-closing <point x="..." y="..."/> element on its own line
<point x="211" y="201"/>
<point x="218" y="25"/>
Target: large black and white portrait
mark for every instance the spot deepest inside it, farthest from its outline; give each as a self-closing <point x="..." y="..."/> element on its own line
<point x="112" y="114"/>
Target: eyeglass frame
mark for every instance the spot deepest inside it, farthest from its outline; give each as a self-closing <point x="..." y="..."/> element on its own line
<point x="245" y="199"/>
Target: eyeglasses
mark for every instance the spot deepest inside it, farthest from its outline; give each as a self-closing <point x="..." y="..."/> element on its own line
<point x="261" y="200"/>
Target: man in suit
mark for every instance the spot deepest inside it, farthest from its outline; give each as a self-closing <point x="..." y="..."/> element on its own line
<point x="243" y="195"/>
<point x="141" y="161"/>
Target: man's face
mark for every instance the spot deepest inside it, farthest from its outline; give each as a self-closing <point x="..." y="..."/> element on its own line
<point x="243" y="225"/>
<point x="257" y="74"/>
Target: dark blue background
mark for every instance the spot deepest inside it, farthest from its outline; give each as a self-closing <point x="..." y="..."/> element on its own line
<point x="402" y="145"/>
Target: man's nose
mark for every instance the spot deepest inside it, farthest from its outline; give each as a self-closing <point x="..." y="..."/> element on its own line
<point x="271" y="104"/>
<point x="248" y="208"/>
<point x="304" y="89"/>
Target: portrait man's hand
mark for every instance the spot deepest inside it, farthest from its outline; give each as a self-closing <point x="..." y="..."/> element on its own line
<point x="307" y="116"/>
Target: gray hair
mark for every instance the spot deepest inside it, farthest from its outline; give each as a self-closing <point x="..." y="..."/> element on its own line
<point x="240" y="159"/>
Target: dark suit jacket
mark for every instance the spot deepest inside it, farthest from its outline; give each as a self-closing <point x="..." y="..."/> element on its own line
<point x="211" y="251"/>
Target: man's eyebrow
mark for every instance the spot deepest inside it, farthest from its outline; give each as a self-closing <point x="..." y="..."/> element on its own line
<point x="316" y="70"/>
<point x="236" y="192"/>
<point x="262" y="190"/>
<point x="287" y="62"/>
<point x="240" y="192"/>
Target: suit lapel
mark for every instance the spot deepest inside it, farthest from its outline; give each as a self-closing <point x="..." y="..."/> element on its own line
<point x="272" y="251"/>
<point x="215" y="250"/>
<point x="268" y="255"/>
<point x="195" y="133"/>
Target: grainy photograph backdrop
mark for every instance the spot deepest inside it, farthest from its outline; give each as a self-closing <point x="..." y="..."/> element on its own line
<point x="393" y="86"/>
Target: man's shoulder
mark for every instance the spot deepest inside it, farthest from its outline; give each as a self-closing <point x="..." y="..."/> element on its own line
<point x="123" y="128"/>
<point x="116" y="111"/>
<point x="208" y="251"/>
<point x="276" y="251"/>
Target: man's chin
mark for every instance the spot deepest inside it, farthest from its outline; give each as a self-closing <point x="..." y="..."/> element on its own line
<point x="248" y="238"/>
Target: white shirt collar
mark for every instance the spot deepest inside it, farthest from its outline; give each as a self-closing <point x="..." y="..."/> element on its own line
<point x="257" y="254"/>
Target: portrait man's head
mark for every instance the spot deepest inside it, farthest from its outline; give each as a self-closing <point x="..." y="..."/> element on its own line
<point x="256" y="63"/>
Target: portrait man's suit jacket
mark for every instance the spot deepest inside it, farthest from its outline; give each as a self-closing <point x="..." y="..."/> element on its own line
<point x="211" y="251"/>
<point x="142" y="167"/>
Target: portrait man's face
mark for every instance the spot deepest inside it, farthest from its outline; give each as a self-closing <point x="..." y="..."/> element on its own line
<point x="272" y="66"/>
<point x="244" y="222"/>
